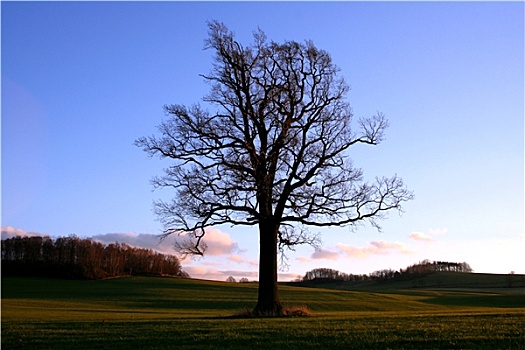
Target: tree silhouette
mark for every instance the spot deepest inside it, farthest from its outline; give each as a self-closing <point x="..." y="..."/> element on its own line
<point x="73" y="257"/>
<point x="272" y="155"/>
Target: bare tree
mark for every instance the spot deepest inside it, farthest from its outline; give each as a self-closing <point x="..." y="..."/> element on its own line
<point x="274" y="154"/>
<point x="231" y="279"/>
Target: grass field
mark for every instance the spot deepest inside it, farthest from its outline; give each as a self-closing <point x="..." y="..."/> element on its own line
<point x="164" y="313"/>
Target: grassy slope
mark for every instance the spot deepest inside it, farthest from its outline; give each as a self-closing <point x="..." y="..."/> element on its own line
<point x="160" y="313"/>
<point x="479" y="282"/>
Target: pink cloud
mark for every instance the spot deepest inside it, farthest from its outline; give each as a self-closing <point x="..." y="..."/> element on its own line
<point x="325" y="254"/>
<point x="375" y="248"/>
<point x="354" y="252"/>
<point x="141" y="240"/>
<point x="219" y="243"/>
<point x="240" y="260"/>
<point x="212" y="273"/>
<point x="302" y="259"/>
<point x="236" y="258"/>
<point x="240" y="274"/>
<point x="420" y="236"/>
<point x="10" y="232"/>
<point x="200" y="272"/>
<point x="196" y="271"/>
<point x="289" y="276"/>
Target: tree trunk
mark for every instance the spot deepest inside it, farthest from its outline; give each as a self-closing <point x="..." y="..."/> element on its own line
<point x="268" y="303"/>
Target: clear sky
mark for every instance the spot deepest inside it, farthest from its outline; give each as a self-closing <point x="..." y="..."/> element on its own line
<point x="82" y="80"/>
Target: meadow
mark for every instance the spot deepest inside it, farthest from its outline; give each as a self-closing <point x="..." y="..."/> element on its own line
<point x="171" y="313"/>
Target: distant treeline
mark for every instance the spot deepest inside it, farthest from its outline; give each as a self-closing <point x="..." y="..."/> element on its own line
<point x="424" y="267"/>
<point x="73" y="257"/>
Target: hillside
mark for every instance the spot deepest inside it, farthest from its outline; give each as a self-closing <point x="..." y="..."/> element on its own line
<point x="176" y="313"/>
<point x="482" y="282"/>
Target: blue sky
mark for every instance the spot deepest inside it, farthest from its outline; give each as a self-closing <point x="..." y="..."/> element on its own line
<point x="82" y="80"/>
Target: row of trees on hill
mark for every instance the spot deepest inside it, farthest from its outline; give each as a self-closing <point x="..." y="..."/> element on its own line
<point x="427" y="266"/>
<point x="422" y="268"/>
<point x="74" y="257"/>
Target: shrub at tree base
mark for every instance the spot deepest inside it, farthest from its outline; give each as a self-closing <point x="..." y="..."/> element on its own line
<point x="287" y="311"/>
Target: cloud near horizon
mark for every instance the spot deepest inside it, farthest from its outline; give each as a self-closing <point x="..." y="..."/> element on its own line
<point x="374" y="248"/>
<point x="303" y="259"/>
<point x="437" y="231"/>
<point x="219" y="243"/>
<point x="10" y="232"/>
<point x="420" y="236"/>
<point x="353" y="252"/>
<point x="200" y="272"/>
<point x="240" y="260"/>
<point x="324" y="254"/>
<point x="429" y="236"/>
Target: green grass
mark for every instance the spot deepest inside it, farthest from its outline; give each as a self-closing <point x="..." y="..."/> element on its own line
<point x="163" y="313"/>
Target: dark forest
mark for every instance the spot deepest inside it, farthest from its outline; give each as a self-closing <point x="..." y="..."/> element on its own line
<point x="77" y="258"/>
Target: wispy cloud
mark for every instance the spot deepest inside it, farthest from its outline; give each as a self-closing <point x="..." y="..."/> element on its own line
<point x="420" y="236"/>
<point x="219" y="243"/>
<point x="429" y="236"/>
<point x="218" y="274"/>
<point x="303" y="259"/>
<point x="140" y="240"/>
<point x="289" y="276"/>
<point x="240" y="260"/>
<point x="200" y="272"/>
<point x="324" y="254"/>
<point x="437" y="231"/>
<point x="374" y="248"/>
<point x="342" y="250"/>
<point x="10" y="232"/>
<point x="240" y="273"/>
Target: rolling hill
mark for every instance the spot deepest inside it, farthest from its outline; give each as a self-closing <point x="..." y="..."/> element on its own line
<point x="176" y="313"/>
<point x="453" y="281"/>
